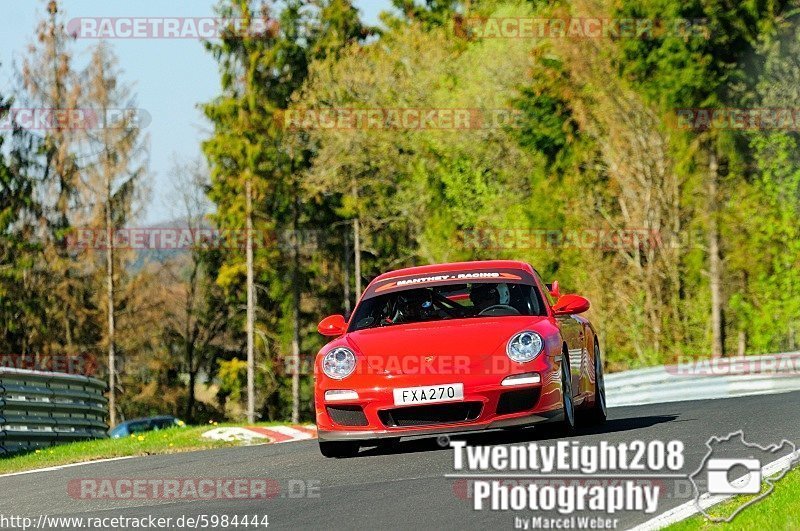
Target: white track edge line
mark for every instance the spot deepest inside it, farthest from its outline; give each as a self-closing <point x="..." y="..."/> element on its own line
<point x="70" y="465"/>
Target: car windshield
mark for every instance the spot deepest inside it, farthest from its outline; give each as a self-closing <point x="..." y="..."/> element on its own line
<point x="451" y="301"/>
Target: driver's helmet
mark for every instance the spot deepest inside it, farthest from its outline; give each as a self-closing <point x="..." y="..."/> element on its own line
<point x="415" y="304"/>
<point x="485" y="295"/>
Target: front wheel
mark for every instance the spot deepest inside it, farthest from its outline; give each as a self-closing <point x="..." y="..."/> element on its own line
<point x="338" y="449"/>
<point x="567" y="425"/>
<point x="598" y="411"/>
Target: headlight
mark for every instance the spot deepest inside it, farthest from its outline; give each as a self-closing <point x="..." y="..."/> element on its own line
<point x="524" y="346"/>
<point x="339" y="363"/>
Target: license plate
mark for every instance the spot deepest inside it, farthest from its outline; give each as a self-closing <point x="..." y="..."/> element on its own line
<point x="429" y="394"/>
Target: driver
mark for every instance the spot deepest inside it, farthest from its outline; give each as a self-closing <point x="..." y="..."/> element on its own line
<point x="487" y="295"/>
<point x="414" y="305"/>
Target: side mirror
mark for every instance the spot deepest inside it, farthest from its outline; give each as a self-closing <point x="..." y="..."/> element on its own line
<point x="332" y="326"/>
<point x="555" y="291"/>
<point x="571" y="305"/>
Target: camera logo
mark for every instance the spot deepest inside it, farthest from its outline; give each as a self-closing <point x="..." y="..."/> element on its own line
<point x="722" y="478"/>
<point x="732" y="466"/>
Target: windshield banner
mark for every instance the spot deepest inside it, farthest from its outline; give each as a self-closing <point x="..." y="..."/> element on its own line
<point x="515" y="276"/>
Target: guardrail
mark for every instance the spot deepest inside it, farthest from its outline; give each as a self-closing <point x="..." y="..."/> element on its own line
<point x="705" y="379"/>
<point x="39" y="409"/>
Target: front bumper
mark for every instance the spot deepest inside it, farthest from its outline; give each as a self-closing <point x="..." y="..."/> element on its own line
<point x="361" y="435"/>
<point x="377" y="414"/>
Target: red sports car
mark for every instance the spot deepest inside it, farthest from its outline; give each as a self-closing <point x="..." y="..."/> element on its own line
<point x="452" y="348"/>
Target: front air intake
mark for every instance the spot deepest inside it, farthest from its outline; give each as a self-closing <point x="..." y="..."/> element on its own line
<point x="348" y="415"/>
<point x="429" y="415"/>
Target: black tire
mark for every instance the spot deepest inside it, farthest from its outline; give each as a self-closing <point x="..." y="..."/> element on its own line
<point x="598" y="412"/>
<point x="567" y="424"/>
<point x="338" y="449"/>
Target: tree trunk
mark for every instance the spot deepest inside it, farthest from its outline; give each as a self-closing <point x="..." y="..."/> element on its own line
<point x="357" y="245"/>
<point x="357" y="252"/>
<point x="296" y="316"/>
<point x="251" y="399"/>
<point x="190" y="399"/>
<point x="112" y="358"/>
<point x="346" y="275"/>
<point x="715" y="262"/>
<point x="741" y="345"/>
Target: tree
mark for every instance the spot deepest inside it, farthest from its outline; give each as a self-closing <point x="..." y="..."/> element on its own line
<point x="706" y="68"/>
<point x="260" y="74"/>
<point x="767" y="205"/>
<point x="50" y="83"/>
<point x="197" y="325"/>
<point x="430" y="13"/>
<point x="112" y="179"/>
<point x="20" y="309"/>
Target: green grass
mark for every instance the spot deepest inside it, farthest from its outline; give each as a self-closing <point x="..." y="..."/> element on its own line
<point x="779" y="510"/>
<point x="169" y="441"/>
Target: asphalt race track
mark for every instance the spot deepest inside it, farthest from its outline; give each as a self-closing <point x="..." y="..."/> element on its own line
<point x="400" y="488"/>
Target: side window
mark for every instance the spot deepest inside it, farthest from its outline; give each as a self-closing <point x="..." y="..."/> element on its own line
<point x="163" y="424"/>
<point x="138" y="427"/>
<point x="546" y="289"/>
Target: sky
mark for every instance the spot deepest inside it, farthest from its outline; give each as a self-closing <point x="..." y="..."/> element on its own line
<point x="169" y="76"/>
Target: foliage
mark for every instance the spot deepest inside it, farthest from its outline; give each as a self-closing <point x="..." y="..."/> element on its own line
<point x="567" y="137"/>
